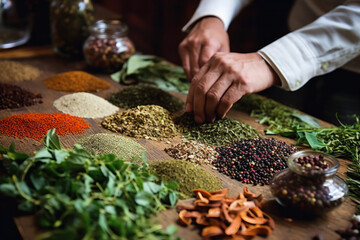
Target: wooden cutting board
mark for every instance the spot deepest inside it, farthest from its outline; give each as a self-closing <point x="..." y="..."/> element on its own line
<point x="287" y="227"/>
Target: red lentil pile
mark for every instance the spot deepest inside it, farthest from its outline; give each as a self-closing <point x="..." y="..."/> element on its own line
<point x="253" y="161"/>
<point x="36" y="125"/>
<point x="12" y="96"/>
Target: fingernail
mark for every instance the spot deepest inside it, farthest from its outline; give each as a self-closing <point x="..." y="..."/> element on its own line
<point x="188" y="107"/>
<point x="198" y="119"/>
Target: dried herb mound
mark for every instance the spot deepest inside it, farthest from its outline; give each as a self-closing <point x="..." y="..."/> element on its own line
<point x="192" y="151"/>
<point x="145" y="95"/>
<point x="253" y="161"/>
<point x="189" y="176"/>
<point x="12" y="96"/>
<point x="121" y="146"/>
<point x="75" y="195"/>
<point x="149" y="122"/>
<point x="222" y="131"/>
<point x="11" y="71"/>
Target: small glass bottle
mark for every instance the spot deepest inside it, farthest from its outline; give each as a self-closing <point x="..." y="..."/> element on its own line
<point x="310" y="185"/>
<point x="70" y="22"/>
<point x="108" y="47"/>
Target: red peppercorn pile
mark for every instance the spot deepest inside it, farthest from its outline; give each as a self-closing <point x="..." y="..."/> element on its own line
<point x="253" y="161"/>
<point x="12" y="96"/>
<point x="36" y="125"/>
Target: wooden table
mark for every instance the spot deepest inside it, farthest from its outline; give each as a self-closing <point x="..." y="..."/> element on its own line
<point x="287" y="227"/>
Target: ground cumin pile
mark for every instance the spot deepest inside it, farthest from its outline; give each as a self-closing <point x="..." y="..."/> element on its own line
<point x="76" y="81"/>
<point x="11" y="71"/>
<point x="36" y="125"/>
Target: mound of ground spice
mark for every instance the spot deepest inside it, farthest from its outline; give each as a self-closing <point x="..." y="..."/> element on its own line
<point x="149" y="122"/>
<point x="36" y="125"/>
<point x="253" y="161"/>
<point x="189" y="175"/>
<point x="12" y="96"/>
<point x="85" y="105"/>
<point x="121" y="146"/>
<point x="222" y="131"/>
<point x="146" y="95"/>
<point x="76" y="81"/>
<point x="11" y="71"/>
<point x="192" y="151"/>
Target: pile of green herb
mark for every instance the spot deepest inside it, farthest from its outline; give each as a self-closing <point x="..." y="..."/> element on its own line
<point x="149" y="122"/>
<point x="145" y="95"/>
<point x="189" y="175"/>
<point x="221" y="132"/>
<point x="278" y="117"/>
<point x="80" y="196"/>
<point x="152" y="70"/>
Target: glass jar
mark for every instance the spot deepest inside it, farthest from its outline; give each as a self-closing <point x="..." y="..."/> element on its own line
<point x="70" y="22"/>
<point x="15" y="23"/>
<point x="108" y="47"/>
<point x="310" y="184"/>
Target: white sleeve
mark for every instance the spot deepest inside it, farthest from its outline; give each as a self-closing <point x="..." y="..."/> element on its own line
<point x="226" y="10"/>
<point x="317" y="48"/>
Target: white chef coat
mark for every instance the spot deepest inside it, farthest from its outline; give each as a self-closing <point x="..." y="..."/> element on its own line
<point x="325" y="36"/>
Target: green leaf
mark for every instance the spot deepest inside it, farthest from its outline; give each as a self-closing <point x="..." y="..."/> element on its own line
<point x="9" y="190"/>
<point x="52" y="140"/>
<point x="307" y="119"/>
<point x="151" y="187"/>
<point x="143" y="199"/>
<point x="102" y="222"/>
<point x="37" y="181"/>
<point x="138" y="61"/>
<point x="171" y="229"/>
<point x="173" y="197"/>
<point x="43" y="153"/>
<point x="313" y="140"/>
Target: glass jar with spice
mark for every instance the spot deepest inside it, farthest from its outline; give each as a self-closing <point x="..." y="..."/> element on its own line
<point x="70" y="22"/>
<point x="310" y="184"/>
<point x="108" y="47"/>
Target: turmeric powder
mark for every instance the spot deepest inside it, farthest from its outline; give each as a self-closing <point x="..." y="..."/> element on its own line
<point x="76" y="81"/>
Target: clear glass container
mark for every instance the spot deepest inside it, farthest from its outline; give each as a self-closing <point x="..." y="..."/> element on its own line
<point x="70" y="22"/>
<point x="309" y="189"/>
<point x="15" y="23"/>
<point x="108" y="46"/>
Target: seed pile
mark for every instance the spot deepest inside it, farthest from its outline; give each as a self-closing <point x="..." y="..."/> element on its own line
<point x="189" y="176"/>
<point x="35" y="125"/>
<point x="76" y="81"/>
<point x="146" y="95"/>
<point x="224" y="217"/>
<point x="85" y="105"/>
<point x="192" y="151"/>
<point x="149" y="122"/>
<point x="102" y="143"/>
<point x="11" y="71"/>
<point x="12" y="96"/>
<point x="253" y="161"/>
<point x="222" y="131"/>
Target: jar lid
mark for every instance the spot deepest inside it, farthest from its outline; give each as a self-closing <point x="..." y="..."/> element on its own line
<point x="116" y="27"/>
<point x="311" y="163"/>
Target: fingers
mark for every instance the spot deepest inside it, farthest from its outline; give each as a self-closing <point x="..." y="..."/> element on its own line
<point x="206" y="53"/>
<point x="232" y="94"/>
<point x="185" y="59"/>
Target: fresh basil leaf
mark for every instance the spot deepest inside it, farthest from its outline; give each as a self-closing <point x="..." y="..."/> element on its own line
<point x="151" y="187"/>
<point x="37" y="181"/>
<point x="314" y="141"/>
<point x="9" y="190"/>
<point x="52" y="140"/>
<point x="43" y="153"/>
<point x="143" y="199"/>
<point x="173" y="197"/>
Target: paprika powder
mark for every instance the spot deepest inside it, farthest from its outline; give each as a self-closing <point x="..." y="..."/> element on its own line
<point x="36" y="125"/>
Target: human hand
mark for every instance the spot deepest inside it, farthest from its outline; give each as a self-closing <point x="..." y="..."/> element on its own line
<point x="207" y="37"/>
<point x="223" y="80"/>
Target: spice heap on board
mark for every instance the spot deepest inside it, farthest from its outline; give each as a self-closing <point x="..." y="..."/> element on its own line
<point x="11" y="71"/>
<point x="85" y="105"/>
<point x="189" y="175"/>
<point x="102" y="143"/>
<point x="12" y="96"/>
<point x="222" y="131"/>
<point x="224" y="217"/>
<point x="253" y="161"/>
<point x="149" y="122"/>
<point x="35" y="125"/>
<point x="192" y="151"/>
<point x="76" y="81"/>
<point x="146" y="95"/>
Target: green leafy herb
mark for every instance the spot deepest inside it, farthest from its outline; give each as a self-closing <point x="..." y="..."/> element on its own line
<point x="81" y="196"/>
<point x="152" y="70"/>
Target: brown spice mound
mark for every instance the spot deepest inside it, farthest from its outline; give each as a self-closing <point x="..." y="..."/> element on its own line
<point x="12" y="96"/>
<point x="36" y="125"/>
<point x="11" y="71"/>
<point x="76" y="81"/>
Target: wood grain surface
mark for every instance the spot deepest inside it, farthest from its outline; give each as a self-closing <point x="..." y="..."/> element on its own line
<point x="287" y="226"/>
